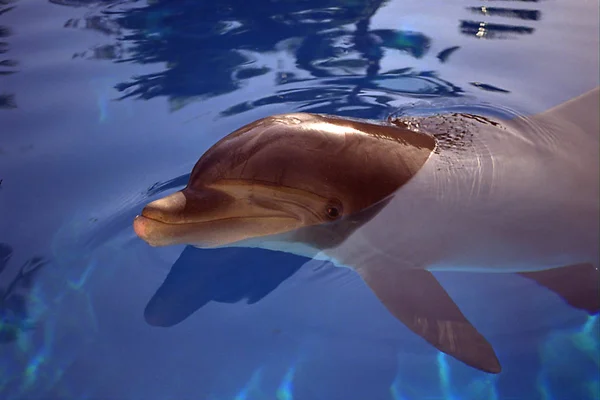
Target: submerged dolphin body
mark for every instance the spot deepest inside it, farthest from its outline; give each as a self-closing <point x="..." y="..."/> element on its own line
<point x="396" y="200"/>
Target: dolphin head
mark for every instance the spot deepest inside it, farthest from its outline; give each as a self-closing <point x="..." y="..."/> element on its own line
<point x="286" y="173"/>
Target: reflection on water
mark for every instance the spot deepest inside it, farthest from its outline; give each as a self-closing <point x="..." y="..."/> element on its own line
<point x="485" y="30"/>
<point x="445" y="54"/>
<point x="332" y="43"/>
<point x="7" y="101"/>
<point x="532" y="15"/>
<point x="493" y="31"/>
<point x="7" y="65"/>
<point x="491" y="88"/>
<point x="316" y="34"/>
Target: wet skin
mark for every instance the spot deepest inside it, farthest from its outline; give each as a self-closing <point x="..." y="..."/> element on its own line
<point x="394" y="200"/>
<point x="263" y="179"/>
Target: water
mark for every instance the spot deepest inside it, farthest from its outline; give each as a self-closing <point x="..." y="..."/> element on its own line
<point x="107" y="105"/>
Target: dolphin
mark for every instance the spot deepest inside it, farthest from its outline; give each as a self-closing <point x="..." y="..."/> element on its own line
<point x="398" y="199"/>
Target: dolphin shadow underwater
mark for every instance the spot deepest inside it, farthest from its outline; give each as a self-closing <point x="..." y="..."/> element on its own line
<point x="395" y="200"/>
<point x="223" y="275"/>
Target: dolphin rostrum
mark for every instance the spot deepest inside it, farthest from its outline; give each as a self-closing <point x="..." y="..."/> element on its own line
<point x="398" y="199"/>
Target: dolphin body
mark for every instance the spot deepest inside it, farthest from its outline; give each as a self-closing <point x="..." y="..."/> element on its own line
<point x="398" y="199"/>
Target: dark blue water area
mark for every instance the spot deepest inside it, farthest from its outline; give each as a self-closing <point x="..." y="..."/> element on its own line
<point x="106" y="105"/>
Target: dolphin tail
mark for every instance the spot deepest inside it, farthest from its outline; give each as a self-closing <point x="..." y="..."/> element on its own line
<point x="578" y="285"/>
<point x="418" y="300"/>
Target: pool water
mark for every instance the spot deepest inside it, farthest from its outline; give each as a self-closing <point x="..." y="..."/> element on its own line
<point x="107" y="105"/>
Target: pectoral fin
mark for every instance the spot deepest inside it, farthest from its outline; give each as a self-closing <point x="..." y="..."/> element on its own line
<point x="578" y="285"/>
<point x="417" y="299"/>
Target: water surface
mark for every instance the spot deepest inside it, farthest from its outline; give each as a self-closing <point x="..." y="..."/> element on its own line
<point x="106" y="105"/>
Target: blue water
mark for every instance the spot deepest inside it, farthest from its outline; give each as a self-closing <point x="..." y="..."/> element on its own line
<point x="106" y="105"/>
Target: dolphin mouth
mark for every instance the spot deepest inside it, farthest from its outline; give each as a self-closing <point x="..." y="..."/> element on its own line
<point x="148" y="229"/>
<point x="205" y="234"/>
<point x="224" y="214"/>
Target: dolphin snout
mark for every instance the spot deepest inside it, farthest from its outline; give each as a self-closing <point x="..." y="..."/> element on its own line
<point x="142" y="228"/>
<point x="169" y="209"/>
<point x="157" y="220"/>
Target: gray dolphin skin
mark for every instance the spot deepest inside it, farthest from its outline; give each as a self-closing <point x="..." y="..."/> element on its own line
<point x="398" y="199"/>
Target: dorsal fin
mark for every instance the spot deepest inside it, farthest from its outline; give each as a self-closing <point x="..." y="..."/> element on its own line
<point x="583" y="111"/>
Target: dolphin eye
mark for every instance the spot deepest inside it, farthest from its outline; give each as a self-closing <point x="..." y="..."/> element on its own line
<point x="333" y="210"/>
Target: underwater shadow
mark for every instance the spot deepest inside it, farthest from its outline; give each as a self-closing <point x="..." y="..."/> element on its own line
<point x="224" y="275"/>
